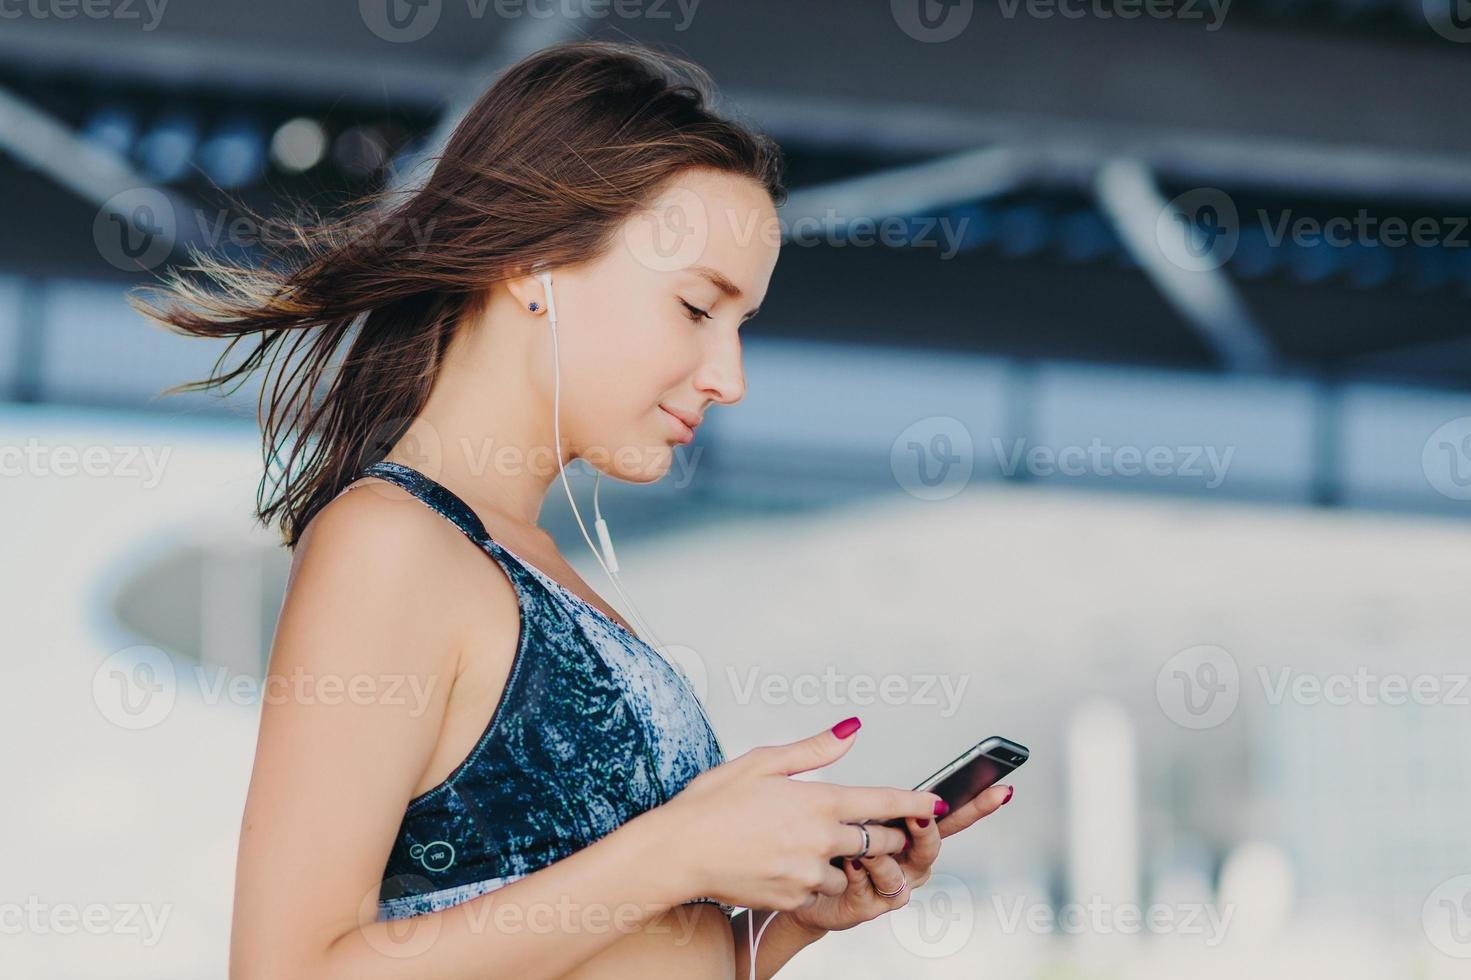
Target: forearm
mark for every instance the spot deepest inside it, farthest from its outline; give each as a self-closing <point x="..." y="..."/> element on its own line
<point x="543" y="925"/>
<point x="782" y="940"/>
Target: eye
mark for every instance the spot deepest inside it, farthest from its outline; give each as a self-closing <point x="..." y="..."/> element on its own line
<point x="695" y="313"/>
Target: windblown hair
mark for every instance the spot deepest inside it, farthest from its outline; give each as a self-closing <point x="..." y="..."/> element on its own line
<point x="543" y="169"/>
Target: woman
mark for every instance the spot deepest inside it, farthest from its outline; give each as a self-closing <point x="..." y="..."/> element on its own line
<point x="555" y="803"/>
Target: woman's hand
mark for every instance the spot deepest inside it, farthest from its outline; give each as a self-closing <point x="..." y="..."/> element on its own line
<point x="747" y="834"/>
<point x="903" y="872"/>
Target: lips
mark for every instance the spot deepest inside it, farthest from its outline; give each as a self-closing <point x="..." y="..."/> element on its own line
<point x="686" y="430"/>
<point x="693" y="421"/>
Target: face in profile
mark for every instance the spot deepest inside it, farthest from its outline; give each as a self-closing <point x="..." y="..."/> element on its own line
<point x="650" y="331"/>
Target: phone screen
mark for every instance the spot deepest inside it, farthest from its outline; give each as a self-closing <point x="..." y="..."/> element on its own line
<point x="962" y="786"/>
<point x="964" y="778"/>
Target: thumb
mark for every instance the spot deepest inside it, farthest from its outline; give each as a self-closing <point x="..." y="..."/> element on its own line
<point x="814" y="752"/>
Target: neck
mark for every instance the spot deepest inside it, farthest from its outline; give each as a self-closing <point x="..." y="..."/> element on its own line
<point x="486" y="430"/>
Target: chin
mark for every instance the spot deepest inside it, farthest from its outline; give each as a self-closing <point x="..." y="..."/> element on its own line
<point x="649" y="465"/>
<point x="654" y="466"/>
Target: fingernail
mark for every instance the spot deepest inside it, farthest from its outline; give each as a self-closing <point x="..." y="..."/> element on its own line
<point x="857" y="866"/>
<point x="846" y="727"/>
<point x="941" y="808"/>
<point x="1009" y="791"/>
<point x="923" y="821"/>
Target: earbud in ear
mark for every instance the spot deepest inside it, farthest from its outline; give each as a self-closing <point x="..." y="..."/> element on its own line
<point x="546" y="283"/>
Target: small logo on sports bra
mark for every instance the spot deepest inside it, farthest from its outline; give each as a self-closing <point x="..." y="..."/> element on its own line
<point x="434" y="856"/>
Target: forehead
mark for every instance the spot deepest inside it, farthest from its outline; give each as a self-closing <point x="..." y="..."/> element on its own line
<point x="705" y="220"/>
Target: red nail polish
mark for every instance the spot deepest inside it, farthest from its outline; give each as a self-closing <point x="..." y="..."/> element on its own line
<point x="1009" y="791"/>
<point x="941" y="808"/>
<point x="847" y="727"/>
<point x="923" y="821"/>
<point x="857" y="865"/>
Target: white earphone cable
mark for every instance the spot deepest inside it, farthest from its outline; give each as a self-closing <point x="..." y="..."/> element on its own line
<point x="753" y="941"/>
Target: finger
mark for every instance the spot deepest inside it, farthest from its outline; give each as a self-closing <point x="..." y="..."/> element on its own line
<point x="886" y="875"/>
<point x="881" y="839"/>
<point x="984" y="804"/>
<point x="804" y="755"/>
<point x="859" y="883"/>
<point x="924" y="843"/>
<point x="834" y="882"/>
<point x="882" y="802"/>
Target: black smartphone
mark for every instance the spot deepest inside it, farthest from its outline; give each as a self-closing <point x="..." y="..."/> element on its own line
<point x="980" y="766"/>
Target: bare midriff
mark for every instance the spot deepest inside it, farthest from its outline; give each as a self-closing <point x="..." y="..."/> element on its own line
<point x="688" y="941"/>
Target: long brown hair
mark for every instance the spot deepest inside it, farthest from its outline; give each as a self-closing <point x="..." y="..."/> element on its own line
<point x="547" y="164"/>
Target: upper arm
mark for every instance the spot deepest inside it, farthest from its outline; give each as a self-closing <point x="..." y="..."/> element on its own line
<point x="360" y="669"/>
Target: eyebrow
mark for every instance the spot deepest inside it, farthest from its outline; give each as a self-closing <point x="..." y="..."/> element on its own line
<point x="724" y="285"/>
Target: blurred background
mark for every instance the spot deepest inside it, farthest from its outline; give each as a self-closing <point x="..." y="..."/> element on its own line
<point x="1112" y="393"/>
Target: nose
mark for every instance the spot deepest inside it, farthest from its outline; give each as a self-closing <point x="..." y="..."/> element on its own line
<point x="721" y="373"/>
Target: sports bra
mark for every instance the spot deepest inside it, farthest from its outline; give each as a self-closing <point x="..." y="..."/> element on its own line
<point x="594" y="727"/>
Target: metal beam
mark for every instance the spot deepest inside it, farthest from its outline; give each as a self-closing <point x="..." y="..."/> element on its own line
<point x="1201" y="292"/>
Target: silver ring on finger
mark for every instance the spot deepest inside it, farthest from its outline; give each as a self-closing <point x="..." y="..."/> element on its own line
<point x="862" y="851"/>
<point x="903" y="884"/>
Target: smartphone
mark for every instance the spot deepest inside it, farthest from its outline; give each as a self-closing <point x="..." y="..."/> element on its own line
<point x="982" y="765"/>
<point x="978" y="767"/>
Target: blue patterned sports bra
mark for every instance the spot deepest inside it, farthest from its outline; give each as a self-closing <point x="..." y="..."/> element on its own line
<point x="593" y="728"/>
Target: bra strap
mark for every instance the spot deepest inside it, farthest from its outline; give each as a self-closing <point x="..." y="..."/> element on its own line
<point x="436" y="495"/>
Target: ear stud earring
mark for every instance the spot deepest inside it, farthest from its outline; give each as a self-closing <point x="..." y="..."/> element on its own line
<point x="534" y="307"/>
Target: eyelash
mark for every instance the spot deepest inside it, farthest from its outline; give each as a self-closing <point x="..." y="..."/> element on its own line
<point x="695" y="313"/>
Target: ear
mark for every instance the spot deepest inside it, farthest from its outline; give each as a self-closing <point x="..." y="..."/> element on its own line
<point x="528" y="290"/>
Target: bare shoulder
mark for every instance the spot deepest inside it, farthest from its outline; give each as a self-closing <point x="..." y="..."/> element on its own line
<point x="363" y="668"/>
<point x="376" y="554"/>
